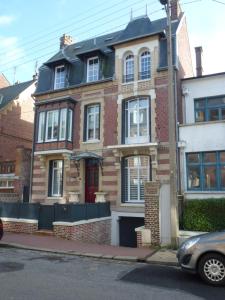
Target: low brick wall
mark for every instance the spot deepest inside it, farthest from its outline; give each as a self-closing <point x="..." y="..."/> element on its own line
<point x="20" y="225"/>
<point x="139" y="240"/>
<point x="97" y="231"/>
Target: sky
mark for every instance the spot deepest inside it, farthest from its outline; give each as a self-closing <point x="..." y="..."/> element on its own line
<point x="30" y="30"/>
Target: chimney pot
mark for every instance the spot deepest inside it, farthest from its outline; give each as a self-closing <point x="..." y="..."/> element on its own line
<point x="198" y="55"/>
<point x="65" y="40"/>
<point x="175" y="10"/>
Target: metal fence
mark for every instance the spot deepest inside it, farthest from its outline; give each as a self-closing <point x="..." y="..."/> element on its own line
<point x="62" y="212"/>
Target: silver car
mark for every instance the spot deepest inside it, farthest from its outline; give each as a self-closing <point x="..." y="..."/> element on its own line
<point x="205" y="254"/>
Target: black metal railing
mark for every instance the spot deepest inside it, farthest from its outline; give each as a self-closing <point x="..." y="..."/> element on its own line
<point x="144" y="75"/>
<point x="128" y="78"/>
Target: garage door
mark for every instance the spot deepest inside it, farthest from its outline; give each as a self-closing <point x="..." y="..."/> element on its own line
<point x="128" y="236"/>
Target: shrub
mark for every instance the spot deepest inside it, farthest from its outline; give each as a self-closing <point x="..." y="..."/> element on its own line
<point x="204" y="215"/>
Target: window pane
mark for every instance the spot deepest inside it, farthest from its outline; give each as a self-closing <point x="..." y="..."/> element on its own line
<point x="57" y="178"/>
<point x="216" y="101"/>
<point x="200" y="103"/>
<point x="97" y="124"/>
<point x="210" y="157"/>
<point x="193" y="177"/>
<point x="210" y="177"/>
<point x="133" y="185"/>
<point x="91" y="126"/>
<point x="213" y="114"/>
<point x="93" y="69"/>
<point x="222" y="157"/>
<point x="55" y="124"/>
<point x="143" y="122"/>
<point x="70" y="122"/>
<point x="63" y="115"/>
<point x="41" y="127"/>
<point x="223" y="113"/>
<point x="133" y="123"/>
<point x="59" y="77"/>
<point x="200" y="116"/>
<point x="49" y="125"/>
<point x="222" y="177"/>
<point x="193" y="157"/>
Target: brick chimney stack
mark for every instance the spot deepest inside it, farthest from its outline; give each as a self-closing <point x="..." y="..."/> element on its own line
<point x="65" y="40"/>
<point x="198" y="55"/>
<point x="175" y="10"/>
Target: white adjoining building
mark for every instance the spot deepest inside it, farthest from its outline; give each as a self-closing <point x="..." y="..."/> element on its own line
<point x="202" y="137"/>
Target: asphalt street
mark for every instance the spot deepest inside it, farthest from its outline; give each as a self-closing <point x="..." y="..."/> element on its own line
<point x="31" y="275"/>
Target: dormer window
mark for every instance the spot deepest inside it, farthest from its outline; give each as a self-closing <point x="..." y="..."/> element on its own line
<point x="92" y="69"/>
<point x="60" y="76"/>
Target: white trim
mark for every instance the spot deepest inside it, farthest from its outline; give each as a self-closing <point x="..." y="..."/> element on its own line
<point x="81" y="222"/>
<point x="89" y="59"/>
<point x="53" y="152"/>
<point x="122" y="146"/>
<point x="29" y="221"/>
<point x="41" y="122"/>
<point x="55" y="72"/>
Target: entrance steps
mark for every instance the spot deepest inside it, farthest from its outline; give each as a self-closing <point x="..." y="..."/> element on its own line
<point x="45" y="232"/>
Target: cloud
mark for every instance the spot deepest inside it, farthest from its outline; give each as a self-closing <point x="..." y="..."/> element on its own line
<point x="6" y="20"/>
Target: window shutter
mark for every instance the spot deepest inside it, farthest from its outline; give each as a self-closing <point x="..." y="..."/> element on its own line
<point x="99" y="121"/>
<point x="123" y="122"/>
<point x="85" y="124"/>
<point x="50" y="178"/>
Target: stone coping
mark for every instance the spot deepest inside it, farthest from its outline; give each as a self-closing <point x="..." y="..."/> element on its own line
<point x="29" y="221"/>
<point x="81" y="222"/>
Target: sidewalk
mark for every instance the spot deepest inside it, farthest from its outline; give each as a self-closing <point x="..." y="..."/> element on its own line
<point x="62" y="246"/>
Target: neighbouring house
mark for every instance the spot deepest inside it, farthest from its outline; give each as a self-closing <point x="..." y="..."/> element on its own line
<point x="101" y="129"/>
<point x="16" y="134"/>
<point x="201" y="136"/>
<point x="3" y="81"/>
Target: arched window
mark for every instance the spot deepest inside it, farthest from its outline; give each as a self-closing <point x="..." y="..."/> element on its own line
<point x="129" y="68"/>
<point x="145" y="65"/>
<point x="136" y="171"/>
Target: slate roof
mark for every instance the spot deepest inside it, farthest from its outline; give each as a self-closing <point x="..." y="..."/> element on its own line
<point x="11" y="92"/>
<point x="136" y="28"/>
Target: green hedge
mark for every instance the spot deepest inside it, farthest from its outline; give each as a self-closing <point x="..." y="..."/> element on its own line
<point x="204" y="215"/>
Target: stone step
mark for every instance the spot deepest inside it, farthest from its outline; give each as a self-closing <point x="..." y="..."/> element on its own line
<point x="44" y="232"/>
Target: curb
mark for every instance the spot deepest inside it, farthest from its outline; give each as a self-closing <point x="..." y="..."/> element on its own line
<point x="163" y="263"/>
<point x="74" y="253"/>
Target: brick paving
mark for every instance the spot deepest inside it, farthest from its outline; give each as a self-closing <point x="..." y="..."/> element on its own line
<point x="51" y="243"/>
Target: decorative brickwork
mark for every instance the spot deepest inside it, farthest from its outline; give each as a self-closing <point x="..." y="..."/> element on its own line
<point x="97" y="231"/>
<point x="19" y="226"/>
<point x="139" y="240"/>
<point x="152" y="210"/>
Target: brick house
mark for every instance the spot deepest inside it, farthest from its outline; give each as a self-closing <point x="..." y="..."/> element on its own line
<point x="3" y="81"/>
<point x="16" y="132"/>
<point x="101" y="129"/>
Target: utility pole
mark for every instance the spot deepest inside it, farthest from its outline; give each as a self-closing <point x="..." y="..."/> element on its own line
<point x="172" y="129"/>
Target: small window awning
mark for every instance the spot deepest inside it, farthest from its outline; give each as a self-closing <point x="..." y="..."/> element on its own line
<point x="86" y="155"/>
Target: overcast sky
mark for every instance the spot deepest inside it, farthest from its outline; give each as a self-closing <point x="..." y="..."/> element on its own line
<point x="30" y="30"/>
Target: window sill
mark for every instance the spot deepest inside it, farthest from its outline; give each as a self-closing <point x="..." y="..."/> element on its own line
<point x="129" y="82"/>
<point x="204" y="192"/>
<point x="130" y="204"/>
<point x="91" y="142"/>
<point x="6" y="188"/>
<point x="143" y="80"/>
<point x="202" y="123"/>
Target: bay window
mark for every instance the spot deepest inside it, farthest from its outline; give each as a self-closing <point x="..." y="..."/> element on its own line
<point x="135" y="172"/>
<point x="137" y="121"/>
<point x="55" y="125"/>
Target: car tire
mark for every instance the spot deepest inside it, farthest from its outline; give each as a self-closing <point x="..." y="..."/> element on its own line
<point x="211" y="268"/>
<point x="1" y="229"/>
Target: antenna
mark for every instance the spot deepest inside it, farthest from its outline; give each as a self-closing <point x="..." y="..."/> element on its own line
<point x="36" y="67"/>
<point x="14" y="75"/>
<point x="131" y="14"/>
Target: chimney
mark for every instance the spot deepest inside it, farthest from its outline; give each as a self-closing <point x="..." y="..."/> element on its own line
<point x="175" y="10"/>
<point x="65" y="40"/>
<point x="198" y="55"/>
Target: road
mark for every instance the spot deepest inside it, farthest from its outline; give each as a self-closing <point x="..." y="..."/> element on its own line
<point x="31" y="275"/>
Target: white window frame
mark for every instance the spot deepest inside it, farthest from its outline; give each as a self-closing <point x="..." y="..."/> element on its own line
<point x="62" y="79"/>
<point x="138" y="139"/>
<point x="7" y="184"/>
<point x="41" y="127"/>
<point x="60" y="169"/>
<point x="95" y="113"/>
<point x="62" y="136"/>
<point x="128" y="58"/>
<point x="138" y="168"/>
<point x="52" y="131"/>
<point x="89" y="69"/>
<point x="142" y="56"/>
<point x="70" y="125"/>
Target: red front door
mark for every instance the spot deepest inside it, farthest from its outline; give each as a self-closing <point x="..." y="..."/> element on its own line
<point x="91" y="179"/>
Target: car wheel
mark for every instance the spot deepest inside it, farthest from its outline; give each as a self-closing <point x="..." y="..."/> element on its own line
<point x="211" y="268"/>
